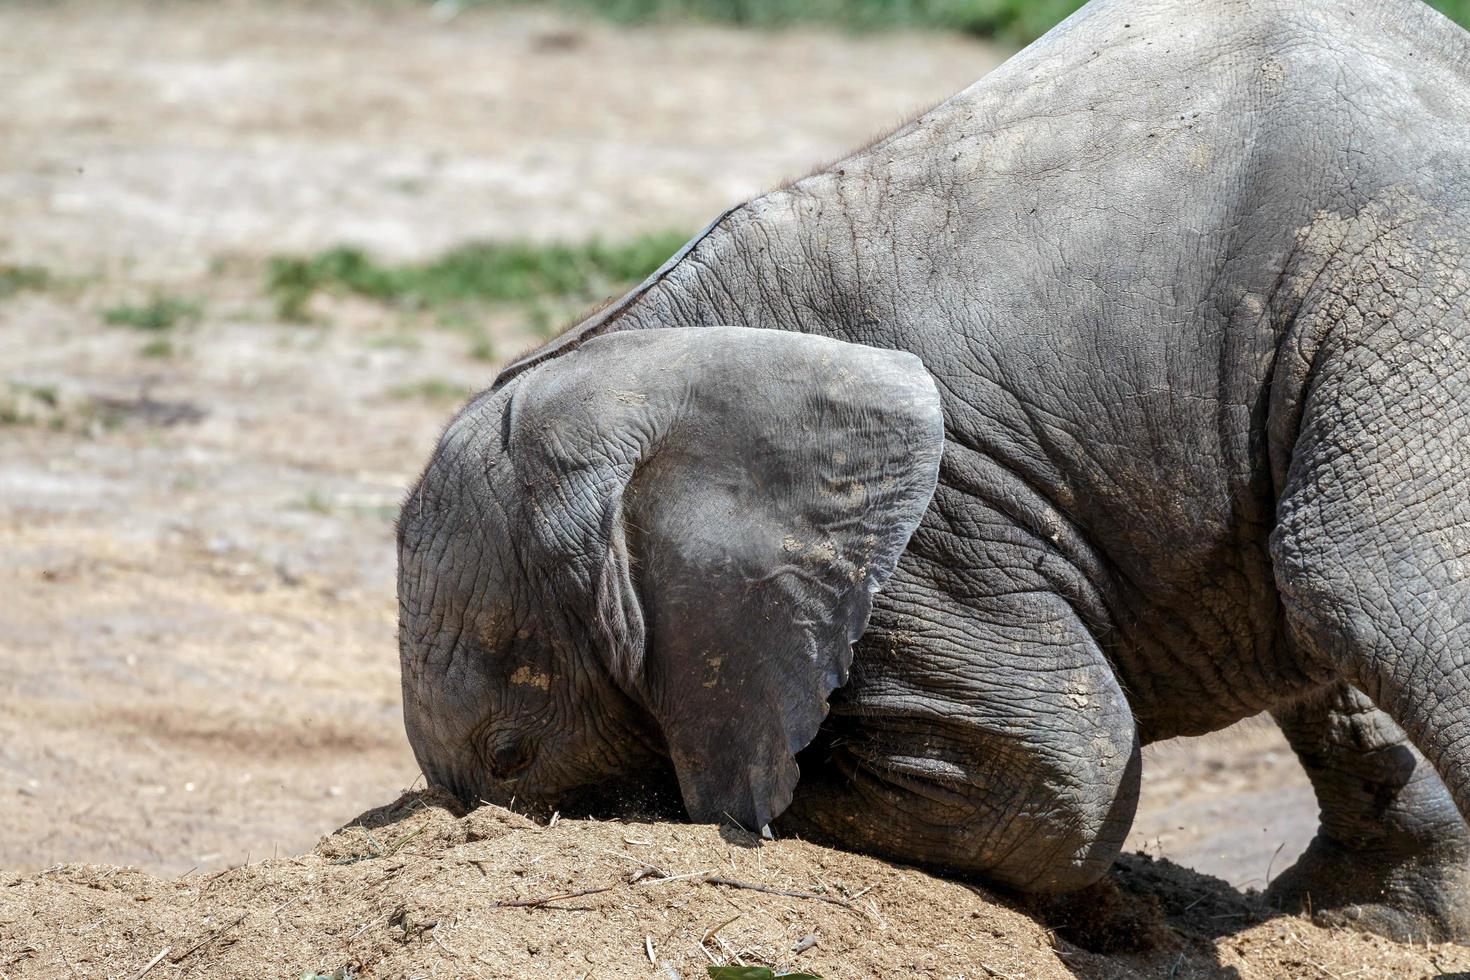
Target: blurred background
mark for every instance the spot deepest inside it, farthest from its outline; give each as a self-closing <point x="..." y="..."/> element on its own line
<point x="254" y="255"/>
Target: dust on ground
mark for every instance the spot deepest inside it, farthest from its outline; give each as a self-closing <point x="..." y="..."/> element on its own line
<point x="416" y="889"/>
<point x="197" y="623"/>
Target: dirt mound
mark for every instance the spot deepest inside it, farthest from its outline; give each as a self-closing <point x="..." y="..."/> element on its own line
<point x="418" y="888"/>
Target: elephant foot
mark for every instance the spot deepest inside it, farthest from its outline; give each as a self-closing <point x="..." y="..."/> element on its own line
<point x="1408" y="897"/>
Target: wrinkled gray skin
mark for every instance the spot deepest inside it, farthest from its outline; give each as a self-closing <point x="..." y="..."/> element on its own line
<point x="1185" y="297"/>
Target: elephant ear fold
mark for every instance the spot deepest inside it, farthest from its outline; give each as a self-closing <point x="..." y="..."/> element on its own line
<point x="763" y="485"/>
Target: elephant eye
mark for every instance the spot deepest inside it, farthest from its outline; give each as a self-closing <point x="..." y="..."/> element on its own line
<point x="510" y="756"/>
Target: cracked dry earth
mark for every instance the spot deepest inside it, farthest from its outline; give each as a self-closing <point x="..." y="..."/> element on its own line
<point x="196" y="566"/>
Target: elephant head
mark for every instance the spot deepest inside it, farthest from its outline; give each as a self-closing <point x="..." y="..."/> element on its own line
<point x="655" y="551"/>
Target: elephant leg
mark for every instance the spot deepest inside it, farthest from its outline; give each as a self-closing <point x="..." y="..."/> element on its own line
<point x="989" y="739"/>
<point x="1392" y="855"/>
<point x="1370" y="421"/>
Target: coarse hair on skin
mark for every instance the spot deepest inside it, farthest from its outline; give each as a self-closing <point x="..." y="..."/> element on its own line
<point x="569" y="324"/>
<point x="904" y="122"/>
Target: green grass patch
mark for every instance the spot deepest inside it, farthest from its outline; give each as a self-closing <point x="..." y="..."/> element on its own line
<point x="1009" y="21"/>
<point x="393" y="341"/>
<point x="1014" y="21"/>
<point x="23" y="404"/>
<point x="431" y="390"/>
<point x="44" y="395"/>
<point x="478" y="273"/>
<point x="160" y="313"/>
<point x="1456" y="10"/>
<point x="19" y="278"/>
<point x="159" y="348"/>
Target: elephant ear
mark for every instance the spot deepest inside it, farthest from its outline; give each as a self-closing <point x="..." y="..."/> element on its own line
<point x="728" y="500"/>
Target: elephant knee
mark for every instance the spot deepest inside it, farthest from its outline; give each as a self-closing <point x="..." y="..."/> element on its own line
<point x="1064" y="847"/>
<point x="1031" y="835"/>
<point x="1087" y="828"/>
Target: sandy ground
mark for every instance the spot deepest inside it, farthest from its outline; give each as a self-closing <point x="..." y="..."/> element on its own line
<point x="417" y="891"/>
<point x="196" y="567"/>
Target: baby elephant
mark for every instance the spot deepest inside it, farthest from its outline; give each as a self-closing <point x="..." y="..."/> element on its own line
<point x="1122" y="396"/>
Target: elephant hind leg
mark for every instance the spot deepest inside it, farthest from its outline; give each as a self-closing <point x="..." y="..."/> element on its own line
<point x="1370" y="423"/>
<point x="1392" y="855"/>
<point x="1371" y="550"/>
